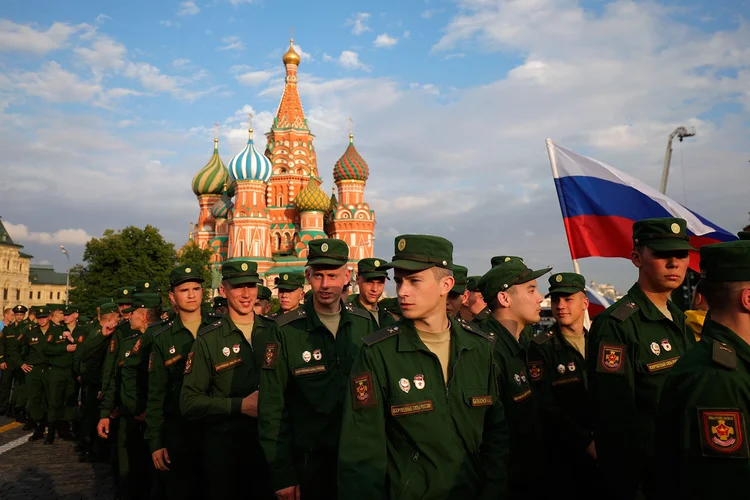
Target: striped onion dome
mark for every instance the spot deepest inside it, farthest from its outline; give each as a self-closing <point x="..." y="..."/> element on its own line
<point x="334" y="202"/>
<point x="351" y="166"/>
<point x="250" y="164"/>
<point x="312" y="198"/>
<point x="211" y="178"/>
<point x="221" y="208"/>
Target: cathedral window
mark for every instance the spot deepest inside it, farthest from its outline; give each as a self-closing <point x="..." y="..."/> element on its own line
<point x="5" y="294"/>
<point x="280" y="200"/>
<point x="18" y="294"/>
<point x="277" y="242"/>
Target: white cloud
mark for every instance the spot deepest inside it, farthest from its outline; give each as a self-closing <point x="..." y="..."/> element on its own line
<point x="20" y="234"/>
<point x="254" y="78"/>
<point x="52" y="83"/>
<point x="406" y="35"/>
<point x="16" y="37"/>
<point x="385" y="40"/>
<point x="102" y="18"/>
<point x="169" y="24"/>
<point x="151" y="77"/>
<point x="127" y="123"/>
<point x="348" y="60"/>
<point x="232" y="43"/>
<point x="358" y="22"/>
<point x="188" y="9"/>
<point x="240" y="2"/>
<point x="181" y="63"/>
<point x="104" y="54"/>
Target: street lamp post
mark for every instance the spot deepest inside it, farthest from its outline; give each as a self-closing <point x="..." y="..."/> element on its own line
<point x="67" y="274"/>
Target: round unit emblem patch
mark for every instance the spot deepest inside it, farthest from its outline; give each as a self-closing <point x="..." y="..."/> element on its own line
<point x="324" y="247"/>
<point x="401" y="245"/>
<point x="244" y="267"/>
<point x="558" y="279"/>
<point x="187" y="270"/>
<point x="675" y="228"/>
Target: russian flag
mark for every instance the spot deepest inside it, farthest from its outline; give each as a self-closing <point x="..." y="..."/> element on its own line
<point x="597" y="302"/>
<point x="600" y="204"/>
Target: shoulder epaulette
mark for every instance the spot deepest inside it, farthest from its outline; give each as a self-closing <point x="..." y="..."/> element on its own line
<point x="357" y="311"/>
<point x="624" y="310"/>
<point x="472" y="328"/>
<point x="213" y="326"/>
<point x="164" y="329"/>
<point x="724" y="355"/>
<point x="291" y="316"/>
<point x="543" y="337"/>
<point x="382" y="334"/>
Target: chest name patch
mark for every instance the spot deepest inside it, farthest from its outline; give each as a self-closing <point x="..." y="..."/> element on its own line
<point x="722" y="432"/>
<point x="477" y="401"/>
<point x="172" y="360"/>
<point x="658" y="366"/>
<point x="227" y="364"/>
<point x="520" y="397"/>
<point x="309" y="370"/>
<point x="565" y="381"/>
<point x="411" y="408"/>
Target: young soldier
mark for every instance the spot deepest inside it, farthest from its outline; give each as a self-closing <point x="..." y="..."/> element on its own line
<point x="220" y="306"/>
<point x="171" y="438"/>
<point x="701" y="442"/>
<point x="304" y="378"/>
<point x="475" y="309"/>
<point x="221" y="387"/>
<point x="291" y="289"/>
<point x="557" y="368"/>
<point x="632" y="346"/>
<point x="371" y="282"/>
<point x="422" y="418"/>
<point x="10" y="364"/>
<point x="511" y="291"/>
<point x="263" y="304"/>
<point x="458" y="296"/>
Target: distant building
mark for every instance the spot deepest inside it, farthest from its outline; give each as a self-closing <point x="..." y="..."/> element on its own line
<point x="47" y="286"/>
<point x="606" y="290"/>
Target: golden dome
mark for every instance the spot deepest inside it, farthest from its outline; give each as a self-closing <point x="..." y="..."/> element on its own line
<point x="291" y="56"/>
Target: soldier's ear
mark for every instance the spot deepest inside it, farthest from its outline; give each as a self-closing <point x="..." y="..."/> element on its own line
<point x="745" y="298"/>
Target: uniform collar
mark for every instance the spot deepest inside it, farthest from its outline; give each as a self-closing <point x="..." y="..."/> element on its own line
<point x="178" y="325"/>
<point x="409" y="341"/>
<point x="313" y="320"/>
<point x="559" y="338"/>
<point x="257" y="323"/>
<point x="719" y="332"/>
<point x="503" y="335"/>
<point x="650" y="311"/>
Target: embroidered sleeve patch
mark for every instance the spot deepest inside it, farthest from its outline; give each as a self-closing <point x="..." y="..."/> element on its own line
<point x="137" y="346"/>
<point x="269" y="357"/>
<point x="80" y="339"/>
<point x="151" y="362"/>
<point x="309" y="370"/>
<point x="481" y="401"/>
<point x="536" y="370"/>
<point x="363" y="395"/>
<point x="189" y="363"/>
<point x="411" y="408"/>
<point x="611" y="359"/>
<point x="112" y="345"/>
<point x="722" y="432"/>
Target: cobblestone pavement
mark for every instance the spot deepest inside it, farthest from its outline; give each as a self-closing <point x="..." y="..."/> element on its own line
<point x="37" y="471"/>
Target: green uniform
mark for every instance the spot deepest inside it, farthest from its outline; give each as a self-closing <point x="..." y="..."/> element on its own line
<point x="632" y="347"/>
<point x="406" y="434"/>
<point x="35" y="342"/>
<point x="221" y="370"/>
<point x="380" y="318"/>
<point x="701" y="441"/>
<point x="91" y="354"/>
<point x="165" y="426"/>
<point x="304" y="381"/>
<point x="61" y="381"/>
<point x="559" y="379"/>
<point x="11" y="339"/>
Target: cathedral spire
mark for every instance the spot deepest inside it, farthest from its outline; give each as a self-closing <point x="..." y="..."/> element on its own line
<point x="290" y="113"/>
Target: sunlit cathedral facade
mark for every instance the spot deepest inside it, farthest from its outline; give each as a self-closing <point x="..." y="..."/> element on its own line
<point x="268" y="206"/>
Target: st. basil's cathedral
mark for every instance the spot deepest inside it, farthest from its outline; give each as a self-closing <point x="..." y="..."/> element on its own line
<point x="267" y="207"/>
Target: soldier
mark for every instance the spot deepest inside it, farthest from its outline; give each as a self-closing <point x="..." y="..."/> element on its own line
<point x="291" y="289"/>
<point x="36" y="367"/>
<point x="220" y="306"/>
<point x="304" y="379"/>
<point x="10" y="364"/>
<point x="557" y="368"/>
<point x="7" y="318"/>
<point x="371" y="282"/>
<point x="263" y="304"/>
<point x="475" y="309"/>
<point x="422" y="417"/>
<point x="458" y="296"/>
<point x="59" y="351"/>
<point x="390" y="305"/>
<point x="701" y="445"/>
<point x="221" y="386"/>
<point x="632" y="346"/>
<point x="171" y="438"/>
<point x="57" y="314"/>
<point x="510" y="289"/>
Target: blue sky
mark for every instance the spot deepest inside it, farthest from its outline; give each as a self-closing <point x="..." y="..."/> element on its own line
<point x="108" y="110"/>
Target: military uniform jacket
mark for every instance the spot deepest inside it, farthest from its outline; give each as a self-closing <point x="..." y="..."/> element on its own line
<point x="303" y="384"/>
<point x="701" y="431"/>
<point x="121" y="343"/>
<point x="134" y="385"/>
<point x="79" y="336"/>
<point x="559" y="379"/>
<point x="406" y="434"/>
<point x="632" y="347"/>
<point x="169" y="353"/>
<point x="56" y="349"/>
<point x="11" y="342"/>
<point x="93" y="353"/>
<point x="222" y="369"/>
<point x="35" y="343"/>
<point x="384" y="318"/>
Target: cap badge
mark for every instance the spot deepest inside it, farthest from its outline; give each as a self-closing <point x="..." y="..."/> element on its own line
<point x="187" y="270"/>
<point x="124" y="292"/>
<point x="244" y="266"/>
<point x="286" y="277"/>
<point x="404" y="384"/>
<point x="377" y="263"/>
<point x="401" y="246"/>
<point x="507" y="259"/>
<point x="324" y="247"/>
<point x="558" y="279"/>
<point x="675" y="228"/>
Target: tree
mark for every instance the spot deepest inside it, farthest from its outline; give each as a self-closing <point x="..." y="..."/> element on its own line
<point x="193" y="256"/>
<point x="120" y="258"/>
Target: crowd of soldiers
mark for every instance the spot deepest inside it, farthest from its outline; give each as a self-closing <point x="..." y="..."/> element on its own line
<point x="440" y="393"/>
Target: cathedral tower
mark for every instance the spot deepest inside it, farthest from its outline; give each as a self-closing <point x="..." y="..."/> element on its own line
<point x="208" y="185"/>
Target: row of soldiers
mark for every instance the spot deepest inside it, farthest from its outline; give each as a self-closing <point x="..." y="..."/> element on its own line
<point x="444" y="394"/>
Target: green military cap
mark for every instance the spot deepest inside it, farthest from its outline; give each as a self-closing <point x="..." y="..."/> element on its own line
<point x="144" y="300"/>
<point x="70" y="309"/>
<point x="503" y="276"/>
<point x="108" y="307"/>
<point x="370" y="268"/>
<point x="83" y="319"/>
<point x="20" y="309"/>
<point x="33" y="309"/>
<point x="566" y="283"/>
<point x="146" y="286"/>
<point x="744" y="235"/>
<point x="417" y="252"/>
<point x="43" y="312"/>
<point x="327" y="252"/>
<point x="264" y="293"/>
<point x="125" y="295"/>
<point x="183" y="274"/>
<point x="206" y="307"/>
<point x="729" y="261"/>
<point x="104" y="300"/>
<point x="287" y="282"/>
<point x="472" y="283"/>
<point x="459" y="275"/>
<point x="239" y="271"/>
<point x="501" y="259"/>
<point x="56" y="307"/>
<point x="665" y="234"/>
<point x="220" y="301"/>
<point x="390" y="304"/>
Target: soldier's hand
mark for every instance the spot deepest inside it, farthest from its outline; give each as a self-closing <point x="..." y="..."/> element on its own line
<point x="591" y="450"/>
<point x="99" y="395"/>
<point x="250" y="405"/>
<point x="290" y="493"/>
<point x="68" y="336"/>
<point x="161" y="459"/>
<point x="26" y="368"/>
<point x="103" y="428"/>
<point x="108" y="328"/>
<point x="3" y="366"/>
<point x="70" y="347"/>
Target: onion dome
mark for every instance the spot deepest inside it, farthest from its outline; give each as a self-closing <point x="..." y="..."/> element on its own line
<point x="221" y="208"/>
<point x="351" y="166"/>
<point x="334" y="201"/>
<point x="291" y="56"/>
<point x="250" y="164"/>
<point x="312" y="198"/>
<point x="211" y="178"/>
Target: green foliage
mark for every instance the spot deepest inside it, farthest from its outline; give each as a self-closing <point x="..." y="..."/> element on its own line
<point x="120" y="258"/>
<point x="275" y="305"/>
<point x="191" y="255"/>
